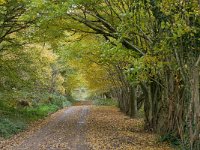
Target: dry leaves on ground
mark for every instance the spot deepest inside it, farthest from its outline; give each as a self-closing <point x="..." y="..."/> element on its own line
<point x="109" y="129"/>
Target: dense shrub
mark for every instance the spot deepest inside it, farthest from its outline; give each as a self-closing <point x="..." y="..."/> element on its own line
<point x="15" y="118"/>
<point x="9" y="127"/>
<point x="105" y="102"/>
<point x="171" y="138"/>
<point x="58" y="100"/>
<point x="34" y="113"/>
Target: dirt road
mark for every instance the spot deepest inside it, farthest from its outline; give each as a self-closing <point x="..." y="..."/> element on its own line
<point x="65" y="130"/>
<point x="86" y="128"/>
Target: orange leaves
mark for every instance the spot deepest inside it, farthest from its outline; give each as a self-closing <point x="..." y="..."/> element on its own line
<point x="110" y="129"/>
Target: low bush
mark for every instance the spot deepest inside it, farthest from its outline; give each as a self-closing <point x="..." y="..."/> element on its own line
<point x="58" y="100"/>
<point x="67" y="103"/>
<point x="41" y="111"/>
<point x="170" y="138"/>
<point x="8" y="127"/>
<point x="15" y="118"/>
<point x="105" y="102"/>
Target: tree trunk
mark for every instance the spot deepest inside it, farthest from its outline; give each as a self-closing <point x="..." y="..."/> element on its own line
<point x="194" y="110"/>
<point x="133" y="102"/>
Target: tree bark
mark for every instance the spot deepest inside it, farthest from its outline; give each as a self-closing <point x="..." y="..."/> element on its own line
<point x="133" y="102"/>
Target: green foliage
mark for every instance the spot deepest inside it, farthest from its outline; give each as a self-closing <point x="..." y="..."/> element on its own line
<point x="66" y="104"/>
<point x="8" y="127"/>
<point x="171" y="138"/>
<point x="15" y="118"/>
<point x="128" y="46"/>
<point x="38" y="112"/>
<point x="49" y="104"/>
<point x="59" y="100"/>
<point x="105" y="102"/>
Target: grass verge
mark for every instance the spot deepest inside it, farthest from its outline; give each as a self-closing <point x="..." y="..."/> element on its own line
<point x="14" y="118"/>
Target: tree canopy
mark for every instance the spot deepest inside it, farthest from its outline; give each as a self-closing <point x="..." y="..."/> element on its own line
<point x="144" y="54"/>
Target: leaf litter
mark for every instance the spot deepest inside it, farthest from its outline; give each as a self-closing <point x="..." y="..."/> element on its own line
<point x="85" y="128"/>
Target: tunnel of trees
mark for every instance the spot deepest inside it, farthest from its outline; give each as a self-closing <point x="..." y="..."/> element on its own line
<point x="143" y="53"/>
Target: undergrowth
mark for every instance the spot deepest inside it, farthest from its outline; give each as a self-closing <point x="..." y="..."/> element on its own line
<point x="15" y="118"/>
<point x="105" y="102"/>
<point x="175" y="141"/>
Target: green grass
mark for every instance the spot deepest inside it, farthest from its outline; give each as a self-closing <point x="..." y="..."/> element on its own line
<point x="9" y="126"/>
<point x="14" y="118"/>
<point x="105" y="102"/>
<point x="35" y="113"/>
<point x="13" y="121"/>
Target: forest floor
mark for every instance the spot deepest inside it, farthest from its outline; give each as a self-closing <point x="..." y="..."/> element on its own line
<point x="85" y="127"/>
